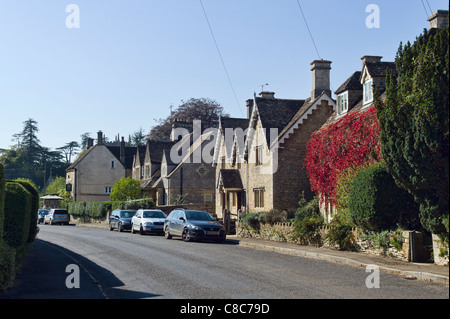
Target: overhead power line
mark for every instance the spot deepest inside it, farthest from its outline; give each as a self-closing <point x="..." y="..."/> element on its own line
<point x="220" y="55"/>
<point x="307" y="27"/>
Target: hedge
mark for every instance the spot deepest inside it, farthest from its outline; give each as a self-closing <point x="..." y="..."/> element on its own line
<point x="97" y="210"/>
<point x="34" y="209"/>
<point x="18" y="203"/>
<point x="2" y="200"/>
<point x="376" y="203"/>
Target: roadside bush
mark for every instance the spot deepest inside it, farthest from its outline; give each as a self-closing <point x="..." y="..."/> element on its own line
<point x="252" y="220"/>
<point x="273" y="216"/>
<point x="98" y="210"/>
<point x="34" y="208"/>
<point x="307" y="209"/>
<point x="2" y="200"/>
<point x="376" y="203"/>
<point x="341" y="233"/>
<point x="307" y="230"/>
<point x="7" y="265"/>
<point x="18" y="203"/>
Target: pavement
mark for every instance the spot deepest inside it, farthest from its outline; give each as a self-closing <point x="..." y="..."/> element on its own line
<point x="410" y="270"/>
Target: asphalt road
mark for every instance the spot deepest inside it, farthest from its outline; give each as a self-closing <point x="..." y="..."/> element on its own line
<point x="124" y="265"/>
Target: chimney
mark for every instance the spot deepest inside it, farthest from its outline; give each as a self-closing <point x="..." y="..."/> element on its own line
<point x="90" y="142"/>
<point x="180" y="123"/>
<point x="122" y="151"/>
<point x="99" y="138"/>
<point x="321" y="77"/>
<point x="371" y="58"/>
<point x="439" y="19"/>
<point x="249" y="103"/>
<point x="267" y="95"/>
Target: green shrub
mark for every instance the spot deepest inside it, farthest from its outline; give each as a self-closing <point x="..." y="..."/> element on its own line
<point x="307" y="209"/>
<point x="307" y="230"/>
<point x="377" y="203"/>
<point x="2" y="200"/>
<point x="272" y="217"/>
<point x="252" y="220"/>
<point x="17" y="214"/>
<point x="7" y="265"/>
<point x="34" y="208"/>
<point x="341" y="233"/>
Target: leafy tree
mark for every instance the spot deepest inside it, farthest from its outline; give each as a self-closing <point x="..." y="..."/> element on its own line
<point x="84" y="139"/>
<point x="414" y="125"/>
<point x="126" y="188"/>
<point x="57" y="186"/>
<point x="204" y="109"/>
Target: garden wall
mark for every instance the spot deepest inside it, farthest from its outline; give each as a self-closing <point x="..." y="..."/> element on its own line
<point x="411" y="245"/>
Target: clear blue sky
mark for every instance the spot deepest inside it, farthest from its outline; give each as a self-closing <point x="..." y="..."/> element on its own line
<point x="131" y="59"/>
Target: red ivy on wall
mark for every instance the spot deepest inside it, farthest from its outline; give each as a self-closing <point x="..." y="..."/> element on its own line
<point x="351" y="141"/>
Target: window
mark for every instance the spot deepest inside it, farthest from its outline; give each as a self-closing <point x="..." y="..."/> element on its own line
<point x="107" y="190"/>
<point x="208" y="198"/>
<point x="113" y="164"/>
<point x="368" y="91"/>
<point x="259" y="155"/>
<point x="147" y="170"/>
<point x="259" y="197"/>
<point x="342" y="103"/>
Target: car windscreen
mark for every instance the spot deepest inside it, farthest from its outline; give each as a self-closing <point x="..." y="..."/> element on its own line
<point x="61" y="212"/>
<point x="43" y="211"/>
<point x="127" y="214"/>
<point x="199" y="216"/>
<point x="153" y="214"/>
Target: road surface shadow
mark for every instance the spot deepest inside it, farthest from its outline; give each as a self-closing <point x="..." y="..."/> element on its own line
<point x="43" y="276"/>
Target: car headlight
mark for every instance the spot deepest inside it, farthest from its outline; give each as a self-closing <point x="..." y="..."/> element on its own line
<point x="193" y="227"/>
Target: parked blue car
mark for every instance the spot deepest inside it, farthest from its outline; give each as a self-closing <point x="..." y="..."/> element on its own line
<point x="121" y="219"/>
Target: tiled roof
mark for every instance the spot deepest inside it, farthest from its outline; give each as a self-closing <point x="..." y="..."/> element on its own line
<point x="231" y="179"/>
<point x="352" y="83"/>
<point x="378" y="69"/>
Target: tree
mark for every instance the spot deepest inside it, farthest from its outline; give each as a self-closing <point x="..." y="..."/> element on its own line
<point x="126" y="188"/>
<point x="204" y="109"/>
<point x="414" y="125"/>
<point x="84" y="139"/>
<point x="68" y="150"/>
<point x="28" y="141"/>
<point x="138" y="138"/>
<point x="56" y="187"/>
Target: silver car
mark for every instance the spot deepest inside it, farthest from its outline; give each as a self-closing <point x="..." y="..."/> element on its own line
<point x="148" y="221"/>
<point x="57" y="216"/>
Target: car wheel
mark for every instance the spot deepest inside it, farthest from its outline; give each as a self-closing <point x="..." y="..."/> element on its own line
<point x="186" y="235"/>
<point x="141" y="230"/>
<point x="110" y="227"/>
<point x="166" y="233"/>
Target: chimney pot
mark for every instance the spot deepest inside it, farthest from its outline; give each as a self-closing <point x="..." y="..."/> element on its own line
<point x="267" y="95"/>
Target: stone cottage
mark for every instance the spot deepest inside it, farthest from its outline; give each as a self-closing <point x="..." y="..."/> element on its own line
<point x="93" y="174"/>
<point x="263" y="168"/>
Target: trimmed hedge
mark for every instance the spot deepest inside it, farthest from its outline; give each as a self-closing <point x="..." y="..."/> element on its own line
<point x="376" y="203"/>
<point x="18" y="203"/>
<point x="34" y="209"/>
<point x="7" y="265"/>
<point x="98" y="210"/>
<point x="2" y="200"/>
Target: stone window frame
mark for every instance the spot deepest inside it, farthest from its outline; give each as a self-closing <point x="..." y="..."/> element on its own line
<point x="368" y="91"/>
<point x="258" y="194"/>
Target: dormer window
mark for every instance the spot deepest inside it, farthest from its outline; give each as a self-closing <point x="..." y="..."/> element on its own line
<point x="368" y="97"/>
<point x="342" y="103"/>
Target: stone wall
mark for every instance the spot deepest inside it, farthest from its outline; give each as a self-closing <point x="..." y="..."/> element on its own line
<point x="284" y="232"/>
<point x="440" y="251"/>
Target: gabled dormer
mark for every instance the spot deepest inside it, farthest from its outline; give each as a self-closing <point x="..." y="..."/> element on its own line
<point x="373" y="74"/>
<point x="349" y="94"/>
